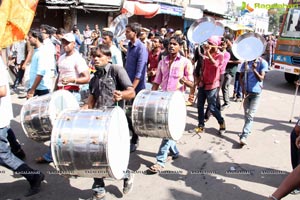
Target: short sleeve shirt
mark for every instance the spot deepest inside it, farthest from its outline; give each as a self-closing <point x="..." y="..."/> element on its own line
<point x="103" y="86"/>
<point x="250" y="81"/>
<point x="71" y="66"/>
<point x="6" y="113"/>
<point x="40" y="66"/>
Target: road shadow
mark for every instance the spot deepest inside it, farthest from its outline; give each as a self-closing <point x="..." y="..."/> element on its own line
<point x="205" y="177"/>
<point x="270" y="124"/>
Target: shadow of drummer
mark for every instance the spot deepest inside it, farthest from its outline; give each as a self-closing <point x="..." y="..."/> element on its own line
<point x="209" y="179"/>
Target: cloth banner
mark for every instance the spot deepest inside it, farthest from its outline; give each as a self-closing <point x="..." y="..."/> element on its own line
<point x="16" y="17"/>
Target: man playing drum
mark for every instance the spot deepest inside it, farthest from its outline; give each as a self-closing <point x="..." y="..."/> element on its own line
<point x="174" y="73"/>
<point x="109" y="86"/>
<point x="73" y="71"/>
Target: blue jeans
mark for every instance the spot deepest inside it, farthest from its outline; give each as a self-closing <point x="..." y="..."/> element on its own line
<point x="211" y="97"/>
<point x="7" y="158"/>
<point x="166" y="146"/>
<point x="251" y="102"/>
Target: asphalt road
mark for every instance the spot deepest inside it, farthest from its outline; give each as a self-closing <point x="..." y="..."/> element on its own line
<point x="210" y="167"/>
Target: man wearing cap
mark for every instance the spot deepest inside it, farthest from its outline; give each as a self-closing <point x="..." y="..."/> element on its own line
<point x="73" y="71"/>
<point x="209" y="83"/>
<point x="169" y="33"/>
<point x="143" y="36"/>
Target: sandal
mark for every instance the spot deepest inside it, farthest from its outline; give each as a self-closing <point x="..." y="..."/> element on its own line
<point x="155" y="168"/>
<point x="41" y="160"/>
<point x="172" y="157"/>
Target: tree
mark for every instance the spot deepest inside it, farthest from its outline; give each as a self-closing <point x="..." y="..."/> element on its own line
<point x="274" y="17"/>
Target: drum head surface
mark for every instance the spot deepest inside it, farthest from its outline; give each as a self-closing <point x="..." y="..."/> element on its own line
<point x="219" y="29"/>
<point x="177" y="115"/>
<point x="61" y="100"/>
<point x="118" y="143"/>
<point x="249" y="46"/>
<point x="201" y="30"/>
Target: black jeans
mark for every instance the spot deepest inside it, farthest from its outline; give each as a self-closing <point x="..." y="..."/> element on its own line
<point x="14" y="144"/>
<point x="40" y="92"/>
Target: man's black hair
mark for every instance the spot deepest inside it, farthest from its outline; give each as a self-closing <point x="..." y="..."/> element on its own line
<point x="135" y="27"/>
<point x="108" y="33"/>
<point x="36" y="33"/>
<point x="178" y="39"/>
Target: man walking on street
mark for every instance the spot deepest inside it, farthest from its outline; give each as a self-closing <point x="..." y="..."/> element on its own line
<point x="7" y="158"/>
<point x="209" y="83"/>
<point x="136" y="66"/>
<point x="251" y="79"/>
<point x="174" y="73"/>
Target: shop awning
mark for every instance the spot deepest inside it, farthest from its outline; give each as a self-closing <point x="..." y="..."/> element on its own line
<point x="149" y="10"/>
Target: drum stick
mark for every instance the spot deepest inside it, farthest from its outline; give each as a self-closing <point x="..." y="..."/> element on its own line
<point x="292" y="111"/>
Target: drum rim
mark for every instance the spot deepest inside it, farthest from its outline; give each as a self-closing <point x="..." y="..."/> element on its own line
<point x="195" y="24"/>
<point x="120" y="112"/>
<point x="246" y="36"/>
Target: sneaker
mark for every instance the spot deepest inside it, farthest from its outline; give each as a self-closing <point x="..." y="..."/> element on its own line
<point x="172" y="157"/>
<point x="99" y="195"/>
<point x="225" y="105"/>
<point x="243" y="141"/>
<point x="222" y="129"/>
<point x="128" y="183"/>
<point x="199" y="129"/>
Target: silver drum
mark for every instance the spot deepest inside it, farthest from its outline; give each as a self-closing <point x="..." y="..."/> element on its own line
<point x="91" y="143"/>
<point x="159" y="114"/>
<point x="39" y="113"/>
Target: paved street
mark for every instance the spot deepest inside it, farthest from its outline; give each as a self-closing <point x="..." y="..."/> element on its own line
<point x="210" y="167"/>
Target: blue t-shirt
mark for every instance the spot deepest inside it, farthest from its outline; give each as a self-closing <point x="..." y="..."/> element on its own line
<point x="250" y="81"/>
<point x="40" y="66"/>
<point x="136" y="63"/>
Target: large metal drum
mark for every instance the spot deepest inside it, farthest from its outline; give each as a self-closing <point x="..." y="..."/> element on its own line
<point x="91" y="143"/>
<point x="39" y="113"/>
<point x="159" y="114"/>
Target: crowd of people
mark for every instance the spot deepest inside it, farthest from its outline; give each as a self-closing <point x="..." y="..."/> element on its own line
<point x="55" y="59"/>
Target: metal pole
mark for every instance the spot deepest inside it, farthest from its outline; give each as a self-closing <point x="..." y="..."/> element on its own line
<point x="292" y="111"/>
